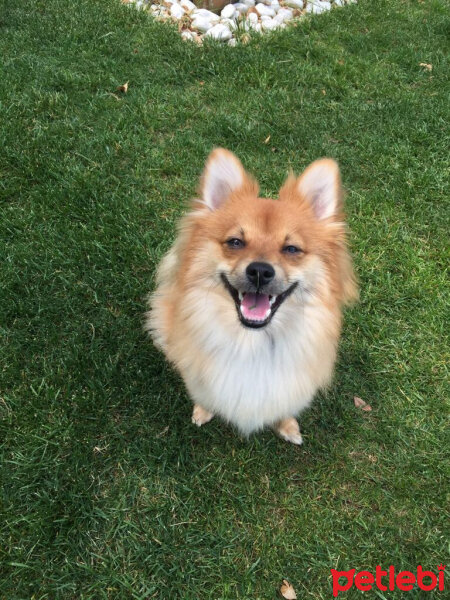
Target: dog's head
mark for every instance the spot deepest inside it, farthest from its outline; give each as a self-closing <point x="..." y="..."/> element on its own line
<point x="263" y="254"/>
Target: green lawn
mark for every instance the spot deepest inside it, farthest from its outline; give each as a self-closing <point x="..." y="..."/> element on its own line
<point x="108" y="491"/>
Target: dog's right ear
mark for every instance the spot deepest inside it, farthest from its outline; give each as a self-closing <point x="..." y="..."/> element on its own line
<point x="223" y="175"/>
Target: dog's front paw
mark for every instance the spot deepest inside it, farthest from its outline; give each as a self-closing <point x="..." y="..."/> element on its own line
<point x="289" y="430"/>
<point x="200" y="416"/>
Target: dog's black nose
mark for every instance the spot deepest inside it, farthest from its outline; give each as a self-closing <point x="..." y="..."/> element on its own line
<point x="260" y="273"/>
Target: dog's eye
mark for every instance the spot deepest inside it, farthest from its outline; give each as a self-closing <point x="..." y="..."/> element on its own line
<point x="235" y="243"/>
<point x="291" y="250"/>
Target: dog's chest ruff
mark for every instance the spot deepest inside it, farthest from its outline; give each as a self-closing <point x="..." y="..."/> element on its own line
<point x="254" y="378"/>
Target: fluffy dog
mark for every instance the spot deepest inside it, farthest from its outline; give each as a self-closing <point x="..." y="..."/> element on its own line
<point x="248" y="303"/>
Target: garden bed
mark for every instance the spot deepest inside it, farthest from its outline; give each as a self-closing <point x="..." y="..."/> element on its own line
<point x="232" y="22"/>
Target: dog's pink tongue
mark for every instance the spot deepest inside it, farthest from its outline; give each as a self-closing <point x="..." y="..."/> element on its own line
<point x="254" y="307"/>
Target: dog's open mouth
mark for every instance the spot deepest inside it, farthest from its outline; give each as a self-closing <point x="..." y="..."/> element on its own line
<point x="254" y="309"/>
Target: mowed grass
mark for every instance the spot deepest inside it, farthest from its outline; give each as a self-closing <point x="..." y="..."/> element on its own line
<point x="108" y="491"/>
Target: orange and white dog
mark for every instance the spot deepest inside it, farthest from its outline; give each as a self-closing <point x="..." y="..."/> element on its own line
<point x="248" y="304"/>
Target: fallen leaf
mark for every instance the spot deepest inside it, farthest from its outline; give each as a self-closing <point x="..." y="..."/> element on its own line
<point x="163" y="432"/>
<point x="426" y="66"/>
<point x="123" y="88"/>
<point x="359" y="403"/>
<point x="287" y="591"/>
<point x="267" y="140"/>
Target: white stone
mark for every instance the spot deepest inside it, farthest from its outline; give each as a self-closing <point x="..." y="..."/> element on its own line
<point x="316" y="7"/>
<point x="269" y="24"/>
<point x="202" y="12"/>
<point x="228" y="11"/>
<point x="247" y="25"/>
<point x="267" y="11"/>
<point x="159" y="10"/>
<point x="249" y="3"/>
<point x="294" y="3"/>
<point x="177" y="11"/>
<point x="283" y="15"/>
<point x="252" y="24"/>
<point x="188" y="35"/>
<point x="232" y="42"/>
<point x="241" y="7"/>
<point x="339" y="2"/>
<point x="187" y="5"/>
<point x="202" y="24"/>
<point x="219" y="32"/>
<point x="230" y="23"/>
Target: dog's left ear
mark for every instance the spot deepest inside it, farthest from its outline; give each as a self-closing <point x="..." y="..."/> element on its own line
<point x="223" y="175"/>
<point x="320" y="185"/>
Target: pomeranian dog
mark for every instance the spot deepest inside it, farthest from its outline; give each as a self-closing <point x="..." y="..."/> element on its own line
<point x="248" y="303"/>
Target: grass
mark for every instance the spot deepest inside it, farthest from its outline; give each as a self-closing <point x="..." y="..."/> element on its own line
<point x="108" y="491"/>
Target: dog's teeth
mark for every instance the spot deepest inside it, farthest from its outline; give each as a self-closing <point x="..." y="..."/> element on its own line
<point x="266" y="316"/>
<point x="241" y="295"/>
<point x="272" y="300"/>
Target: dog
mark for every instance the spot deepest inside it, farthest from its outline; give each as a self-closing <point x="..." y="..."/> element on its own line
<point x="248" y="301"/>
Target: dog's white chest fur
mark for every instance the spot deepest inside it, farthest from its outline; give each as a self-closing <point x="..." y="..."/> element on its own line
<point x="252" y="377"/>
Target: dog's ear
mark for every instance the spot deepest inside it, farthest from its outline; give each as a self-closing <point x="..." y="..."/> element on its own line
<point x="320" y="185"/>
<point x="223" y="175"/>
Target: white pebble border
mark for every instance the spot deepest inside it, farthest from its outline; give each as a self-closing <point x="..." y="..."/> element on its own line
<point x="236" y="22"/>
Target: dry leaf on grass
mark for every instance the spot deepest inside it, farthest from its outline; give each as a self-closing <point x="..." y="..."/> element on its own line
<point x="123" y="88"/>
<point x="359" y="403"/>
<point x="287" y="591"/>
<point x="267" y="140"/>
<point x="426" y="66"/>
